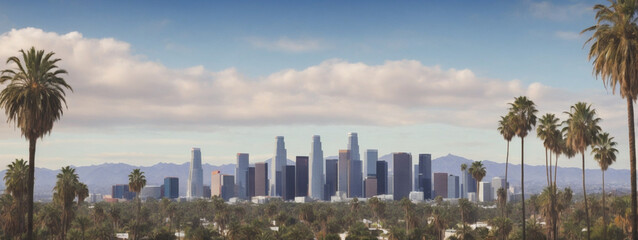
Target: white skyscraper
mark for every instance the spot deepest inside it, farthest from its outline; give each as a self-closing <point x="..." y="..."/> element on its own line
<point x="353" y="146"/>
<point x="195" y="188"/>
<point x="497" y="183"/>
<point x="370" y="162"/>
<point x="316" y="169"/>
<point x="485" y="192"/>
<point x="241" y="175"/>
<point x="278" y="163"/>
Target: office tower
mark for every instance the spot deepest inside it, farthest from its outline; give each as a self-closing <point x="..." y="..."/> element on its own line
<point x="120" y="191"/>
<point x="370" y="162"/>
<point x="195" y="175"/>
<point x="261" y="179"/>
<point x="382" y="177"/>
<point x="440" y="184"/>
<point x="344" y="165"/>
<point x="402" y="175"/>
<point x="452" y="186"/>
<point x="301" y="166"/>
<point x="497" y="183"/>
<point x="151" y="191"/>
<point x="289" y="183"/>
<point x="390" y="183"/>
<point x="425" y="175"/>
<point x="331" y="178"/>
<point x="216" y="183"/>
<point x="316" y="174"/>
<point x="415" y="178"/>
<point x="171" y="187"/>
<point x="241" y="175"/>
<point x="485" y="192"/>
<point x="355" y="180"/>
<point x="471" y="183"/>
<point x="458" y="190"/>
<point x="464" y="183"/>
<point x="370" y="185"/>
<point x="251" y="182"/>
<point x="353" y="146"/>
<point x="228" y="186"/>
<point x="279" y="162"/>
<point x="206" y="192"/>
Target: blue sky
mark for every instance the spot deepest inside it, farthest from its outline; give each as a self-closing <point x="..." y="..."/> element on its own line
<point x="491" y="50"/>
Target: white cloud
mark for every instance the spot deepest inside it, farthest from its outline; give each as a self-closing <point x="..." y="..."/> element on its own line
<point x="566" y="35"/>
<point x="286" y="44"/>
<point x="550" y="11"/>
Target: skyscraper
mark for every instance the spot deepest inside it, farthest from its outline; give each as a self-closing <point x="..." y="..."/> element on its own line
<point x="452" y="186"/>
<point x="316" y="177"/>
<point x="241" y="175"/>
<point x="228" y="186"/>
<point x="497" y="183"/>
<point x="382" y="177"/>
<point x="370" y="162"/>
<point x="415" y="178"/>
<point x="485" y="192"/>
<point x="331" y="178"/>
<point x="289" y="183"/>
<point x="353" y="146"/>
<point x="370" y="186"/>
<point x="171" y="187"/>
<point x="121" y="191"/>
<point x="301" y="183"/>
<point x="344" y="166"/>
<point x="216" y="183"/>
<point x="261" y="179"/>
<point x="279" y="162"/>
<point x="355" y="180"/>
<point x="251" y="182"/>
<point x="195" y="186"/>
<point x="402" y="175"/>
<point x="440" y="184"/>
<point x="425" y="175"/>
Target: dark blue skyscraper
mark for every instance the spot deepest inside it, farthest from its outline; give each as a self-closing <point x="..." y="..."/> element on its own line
<point x="289" y="182"/>
<point x="382" y="177"/>
<point x="301" y="166"/>
<point x="425" y="175"/>
<point x="331" y="178"/>
<point x="121" y="191"/>
<point x="402" y="181"/>
<point x="355" y="179"/>
<point x="171" y="187"/>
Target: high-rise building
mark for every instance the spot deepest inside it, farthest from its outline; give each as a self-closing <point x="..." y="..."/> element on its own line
<point x="228" y="186"/>
<point x="120" y="191"/>
<point x="382" y="177"/>
<point x="301" y="166"/>
<point x="261" y="179"/>
<point x="452" y="186"/>
<point x="331" y="178"/>
<point x="206" y="191"/>
<point x="344" y="165"/>
<point x="497" y="183"/>
<point x="457" y="193"/>
<point x="485" y="192"/>
<point x="216" y="183"/>
<point x="289" y="183"/>
<point x="402" y="168"/>
<point x="353" y="146"/>
<point x="195" y="175"/>
<point x="370" y="162"/>
<point x="425" y="175"/>
<point x="415" y="178"/>
<point x="151" y="191"/>
<point x="251" y="182"/>
<point x="370" y="186"/>
<point x="316" y="174"/>
<point x="440" y="185"/>
<point x="171" y="187"/>
<point x="355" y="180"/>
<point x="241" y="175"/>
<point x="279" y="162"/>
<point x="471" y="183"/>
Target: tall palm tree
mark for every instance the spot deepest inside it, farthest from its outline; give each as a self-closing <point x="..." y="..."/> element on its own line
<point x="33" y="99"/>
<point x="477" y="170"/>
<point x="507" y="129"/>
<point x="582" y="130"/>
<point x="605" y="154"/>
<point x="406" y="204"/>
<point x="64" y="192"/>
<point x="16" y="178"/>
<point x="501" y="195"/>
<point x="463" y="169"/>
<point x="614" y="46"/>
<point x="546" y="131"/>
<point x="137" y="181"/>
<point x="524" y="119"/>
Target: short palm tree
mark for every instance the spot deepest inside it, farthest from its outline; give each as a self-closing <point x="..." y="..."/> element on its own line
<point x="546" y="131"/>
<point x="64" y="192"/>
<point x="137" y="181"/>
<point x="477" y="170"/>
<point x="581" y="131"/>
<point x="82" y="192"/>
<point x="605" y="154"/>
<point x="16" y="179"/>
<point x="524" y="119"/>
<point x="33" y="99"/>
<point x="614" y="45"/>
<point x="507" y="129"/>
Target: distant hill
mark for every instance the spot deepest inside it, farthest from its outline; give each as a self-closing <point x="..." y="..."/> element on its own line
<point x="101" y="177"/>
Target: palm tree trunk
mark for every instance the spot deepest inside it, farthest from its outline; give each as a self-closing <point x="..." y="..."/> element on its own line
<point x="550" y="168"/>
<point x="523" y="182"/>
<point x="546" y="167"/>
<point x="507" y="161"/>
<point x="585" y="194"/>
<point x="632" y="167"/>
<point x="30" y="182"/>
<point x="604" y="214"/>
<point x="556" y="173"/>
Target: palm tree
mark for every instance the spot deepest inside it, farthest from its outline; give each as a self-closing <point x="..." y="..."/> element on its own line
<point x="137" y="181"/>
<point x="16" y="179"/>
<point x="546" y="131"/>
<point x="501" y="195"/>
<point x="581" y="130"/>
<point x="82" y="192"/>
<point x="605" y="154"/>
<point x="406" y="204"/>
<point x="34" y="99"/>
<point x="64" y="192"/>
<point x="507" y="129"/>
<point x="83" y="223"/>
<point x="440" y="222"/>
<point x="477" y="170"/>
<point x="464" y="208"/>
<point x="524" y="119"/>
<point x="613" y="49"/>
